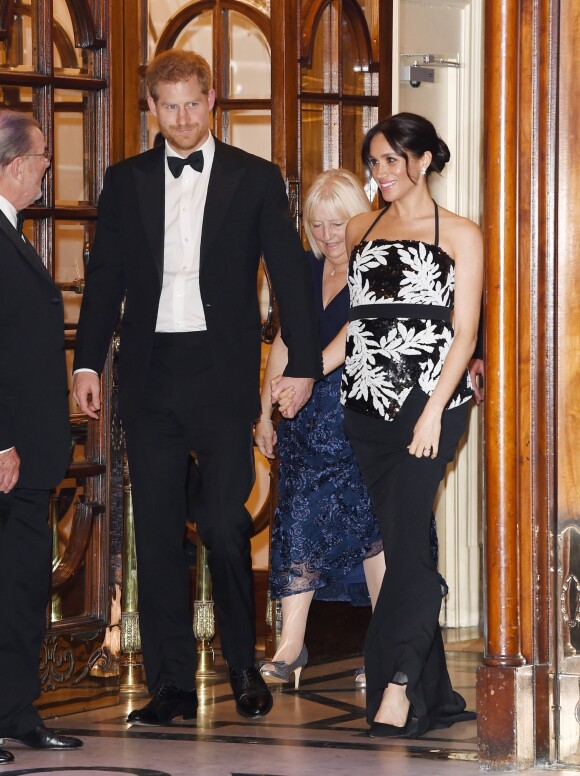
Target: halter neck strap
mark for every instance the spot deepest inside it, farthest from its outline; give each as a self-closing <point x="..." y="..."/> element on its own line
<point x="384" y="210"/>
<point x="374" y="223"/>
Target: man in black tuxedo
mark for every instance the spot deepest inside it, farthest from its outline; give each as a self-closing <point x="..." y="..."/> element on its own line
<point x="180" y="232"/>
<point x="34" y="436"/>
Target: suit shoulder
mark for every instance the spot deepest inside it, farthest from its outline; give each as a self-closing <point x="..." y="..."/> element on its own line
<point x="245" y="158"/>
<point x="145" y="159"/>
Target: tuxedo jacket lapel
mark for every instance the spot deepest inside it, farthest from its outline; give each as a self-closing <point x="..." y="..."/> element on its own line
<point x="150" y="183"/>
<point x="224" y="181"/>
<point x="25" y="250"/>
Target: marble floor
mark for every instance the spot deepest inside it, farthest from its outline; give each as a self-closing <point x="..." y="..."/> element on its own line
<point x="318" y="731"/>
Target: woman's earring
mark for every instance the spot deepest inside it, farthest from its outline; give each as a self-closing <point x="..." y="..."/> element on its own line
<point x="423" y="171"/>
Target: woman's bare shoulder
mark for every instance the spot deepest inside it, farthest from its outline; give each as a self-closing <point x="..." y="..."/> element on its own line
<point x="453" y="222"/>
<point x="458" y="231"/>
<point x="358" y="225"/>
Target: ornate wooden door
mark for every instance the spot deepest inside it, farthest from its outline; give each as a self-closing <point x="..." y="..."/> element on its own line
<point x="55" y="64"/>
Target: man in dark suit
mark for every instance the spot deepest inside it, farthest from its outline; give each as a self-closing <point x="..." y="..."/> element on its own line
<point x="180" y="232"/>
<point x="34" y="436"/>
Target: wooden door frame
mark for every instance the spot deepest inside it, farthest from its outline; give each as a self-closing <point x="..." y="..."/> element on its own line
<point x="532" y="234"/>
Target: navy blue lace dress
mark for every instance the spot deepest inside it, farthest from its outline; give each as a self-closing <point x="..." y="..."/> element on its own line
<point x="324" y="526"/>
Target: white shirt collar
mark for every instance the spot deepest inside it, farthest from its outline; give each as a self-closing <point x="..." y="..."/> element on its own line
<point x="9" y="211"/>
<point x="208" y="149"/>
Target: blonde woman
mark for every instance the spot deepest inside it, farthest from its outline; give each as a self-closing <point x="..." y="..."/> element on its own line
<point x="324" y="527"/>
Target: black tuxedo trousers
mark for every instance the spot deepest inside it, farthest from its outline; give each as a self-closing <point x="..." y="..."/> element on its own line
<point x="181" y="413"/>
<point x="25" y="549"/>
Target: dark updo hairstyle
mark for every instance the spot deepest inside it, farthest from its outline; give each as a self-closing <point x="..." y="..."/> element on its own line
<point x="408" y="133"/>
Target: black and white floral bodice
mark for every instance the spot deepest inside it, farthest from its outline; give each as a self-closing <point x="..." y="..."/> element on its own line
<point x="402" y="347"/>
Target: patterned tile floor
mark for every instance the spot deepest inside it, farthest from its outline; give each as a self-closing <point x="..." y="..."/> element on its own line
<point x="318" y="731"/>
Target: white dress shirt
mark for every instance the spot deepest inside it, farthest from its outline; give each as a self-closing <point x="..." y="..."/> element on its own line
<point x="180" y="305"/>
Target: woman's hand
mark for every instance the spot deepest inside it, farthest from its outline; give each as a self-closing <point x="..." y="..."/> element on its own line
<point x="476" y="369"/>
<point x="425" y="443"/>
<point x="265" y="437"/>
<point x="285" y="397"/>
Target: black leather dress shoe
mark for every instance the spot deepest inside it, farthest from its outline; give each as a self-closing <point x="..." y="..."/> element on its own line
<point x="253" y="698"/>
<point x="42" y="738"/>
<point x="6" y="757"/>
<point x="168" y="703"/>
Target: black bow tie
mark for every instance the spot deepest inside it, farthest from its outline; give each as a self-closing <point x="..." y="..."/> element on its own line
<point x="19" y="223"/>
<point x="176" y="163"/>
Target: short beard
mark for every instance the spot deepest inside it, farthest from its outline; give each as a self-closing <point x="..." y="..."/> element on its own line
<point x="175" y="140"/>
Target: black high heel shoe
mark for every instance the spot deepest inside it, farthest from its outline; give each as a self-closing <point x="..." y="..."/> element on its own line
<point x="384" y="730"/>
<point x="411" y="727"/>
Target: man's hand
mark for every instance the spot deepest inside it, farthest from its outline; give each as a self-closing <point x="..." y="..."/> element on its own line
<point x="9" y="470"/>
<point x="265" y="437"/>
<point x="302" y="392"/>
<point x="87" y="393"/>
<point x="476" y="367"/>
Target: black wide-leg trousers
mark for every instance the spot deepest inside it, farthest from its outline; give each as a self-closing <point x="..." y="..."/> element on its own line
<point x="179" y="414"/>
<point x="404" y="632"/>
<point x="25" y="552"/>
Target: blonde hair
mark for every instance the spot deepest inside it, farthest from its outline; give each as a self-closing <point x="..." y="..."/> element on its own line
<point x="338" y="191"/>
<point x="177" y="65"/>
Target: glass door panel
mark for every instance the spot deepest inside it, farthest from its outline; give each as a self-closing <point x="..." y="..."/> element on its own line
<point x="249" y="59"/>
<point x="250" y="130"/>
<point x="17" y="51"/>
<point x="355" y="77"/>
<point x="339" y="92"/>
<point x="71" y="242"/>
<point x="72" y="157"/>
<point x="68" y="58"/>
<point x="321" y="74"/>
<point x="198" y="36"/>
<point x="356" y="121"/>
<point x="16" y="97"/>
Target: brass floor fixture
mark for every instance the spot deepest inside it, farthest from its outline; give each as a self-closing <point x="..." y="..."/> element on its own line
<point x="203" y="616"/>
<point x="132" y="677"/>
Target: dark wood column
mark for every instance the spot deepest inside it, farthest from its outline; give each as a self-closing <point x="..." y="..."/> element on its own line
<point x="285" y="22"/>
<point x="515" y="692"/>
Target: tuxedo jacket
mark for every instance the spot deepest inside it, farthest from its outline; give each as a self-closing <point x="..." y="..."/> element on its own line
<point x="246" y="214"/>
<point x="34" y="411"/>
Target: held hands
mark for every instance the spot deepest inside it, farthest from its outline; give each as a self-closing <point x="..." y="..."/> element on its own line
<point x="291" y="393"/>
<point x="87" y="393"/>
<point x="426" y="434"/>
<point x="9" y="470"/>
<point x="285" y="397"/>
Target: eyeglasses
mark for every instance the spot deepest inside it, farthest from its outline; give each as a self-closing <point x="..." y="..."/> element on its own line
<point x="46" y="154"/>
